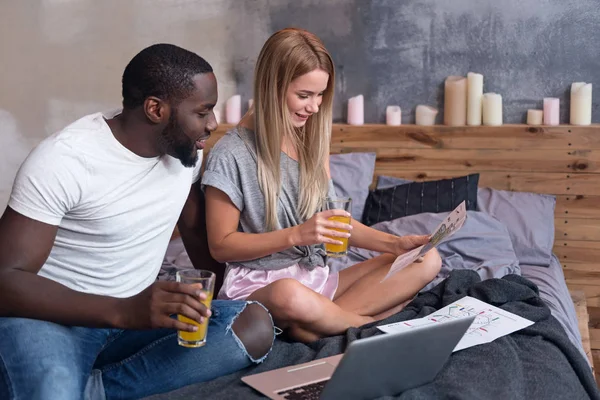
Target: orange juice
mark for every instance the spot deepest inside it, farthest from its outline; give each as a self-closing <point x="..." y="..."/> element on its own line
<point x="338" y="250"/>
<point x="198" y="338"/>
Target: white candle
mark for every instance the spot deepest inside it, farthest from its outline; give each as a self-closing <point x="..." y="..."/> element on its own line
<point x="233" y="109"/>
<point x="535" y="117"/>
<point x="356" y="111"/>
<point x="474" y="98"/>
<point x="425" y="115"/>
<point x="551" y="111"/>
<point x="217" y="115"/>
<point x="455" y="101"/>
<point x="393" y="115"/>
<point x="492" y="109"/>
<point x="581" y="103"/>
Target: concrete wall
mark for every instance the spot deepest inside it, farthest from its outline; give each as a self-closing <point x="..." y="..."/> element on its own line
<point x="61" y="59"/>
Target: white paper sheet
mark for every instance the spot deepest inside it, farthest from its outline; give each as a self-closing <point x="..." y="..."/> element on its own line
<point x="490" y="322"/>
<point x="453" y="222"/>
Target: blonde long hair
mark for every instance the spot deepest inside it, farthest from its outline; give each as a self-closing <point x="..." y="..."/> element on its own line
<point x="286" y="55"/>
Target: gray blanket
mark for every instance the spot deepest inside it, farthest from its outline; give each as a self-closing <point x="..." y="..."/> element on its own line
<point x="538" y="362"/>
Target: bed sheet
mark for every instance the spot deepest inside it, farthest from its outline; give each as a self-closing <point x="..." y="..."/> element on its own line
<point x="555" y="293"/>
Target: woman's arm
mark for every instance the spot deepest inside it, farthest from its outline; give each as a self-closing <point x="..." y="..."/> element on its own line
<point x="371" y="239"/>
<point x="226" y="244"/>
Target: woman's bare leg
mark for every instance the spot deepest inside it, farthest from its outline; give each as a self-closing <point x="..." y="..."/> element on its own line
<point x="308" y="314"/>
<point x="360" y="270"/>
<point x="367" y="295"/>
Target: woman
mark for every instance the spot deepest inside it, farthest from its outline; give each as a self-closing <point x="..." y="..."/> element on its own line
<point x="264" y="183"/>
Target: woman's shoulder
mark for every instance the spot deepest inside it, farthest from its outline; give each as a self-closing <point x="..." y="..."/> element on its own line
<point x="234" y="141"/>
<point x="236" y="147"/>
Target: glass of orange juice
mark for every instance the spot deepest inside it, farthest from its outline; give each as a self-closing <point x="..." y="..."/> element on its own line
<point x="338" y="203"/>
<point x="206" y="281"/>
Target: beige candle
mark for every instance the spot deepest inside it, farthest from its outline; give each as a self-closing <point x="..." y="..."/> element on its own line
<point x="492" y="109"/>
<point x="535" y="117"/>
<point x="455" y="101"/>
<point x="393" y="115"/>
<point x="474" y="97"/>
<point x="425" y="115"/>
<point x="581" y="103"/>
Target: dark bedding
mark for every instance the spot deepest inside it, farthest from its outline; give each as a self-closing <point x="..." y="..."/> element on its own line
<point x="538" y="362"/>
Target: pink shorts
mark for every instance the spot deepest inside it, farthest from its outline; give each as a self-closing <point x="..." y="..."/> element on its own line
<point x="241" y="282"/>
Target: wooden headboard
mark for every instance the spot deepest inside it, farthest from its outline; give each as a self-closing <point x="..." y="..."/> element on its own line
<point x="562" y="160"/>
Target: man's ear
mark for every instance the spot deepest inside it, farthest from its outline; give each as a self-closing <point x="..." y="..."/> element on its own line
<point x="156" y="110"/>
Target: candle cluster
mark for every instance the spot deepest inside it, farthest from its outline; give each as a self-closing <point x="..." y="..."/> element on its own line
<point x="465" y="103"/>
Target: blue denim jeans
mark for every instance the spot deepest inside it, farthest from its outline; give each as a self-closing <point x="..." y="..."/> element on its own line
<point x="44" y="360"/>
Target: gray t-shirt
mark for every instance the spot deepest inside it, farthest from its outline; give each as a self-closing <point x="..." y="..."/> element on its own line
<point x="231" y="167"/>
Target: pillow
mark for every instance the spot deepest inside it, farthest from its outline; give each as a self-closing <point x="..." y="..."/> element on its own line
<point x="352" y="174"/>
<point x="411" y="198"/>
<point x="384" y="181"/>
<point x="529" y="218"/>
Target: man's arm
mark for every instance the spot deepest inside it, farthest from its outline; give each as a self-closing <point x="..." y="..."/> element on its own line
<point x="24" y="247"/>
<point x="192" y="227"/>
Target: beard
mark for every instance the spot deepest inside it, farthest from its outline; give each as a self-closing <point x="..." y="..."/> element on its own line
<point x="176" y="143"/>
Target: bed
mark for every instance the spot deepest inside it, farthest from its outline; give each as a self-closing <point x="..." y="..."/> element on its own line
<point x="404" y="180"/>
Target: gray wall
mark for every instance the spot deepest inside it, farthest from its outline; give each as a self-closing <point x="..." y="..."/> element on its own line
<point x="61" y="59"/>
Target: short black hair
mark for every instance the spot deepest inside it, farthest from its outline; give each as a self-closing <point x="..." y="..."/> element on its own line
<point x="161" y="70"/>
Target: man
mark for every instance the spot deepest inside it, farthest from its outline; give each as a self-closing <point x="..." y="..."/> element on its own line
<point x="82" y="241"/>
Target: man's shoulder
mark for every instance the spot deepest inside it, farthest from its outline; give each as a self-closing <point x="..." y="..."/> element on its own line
<point x="69" y="144"/>
<point x="80" y="130"/>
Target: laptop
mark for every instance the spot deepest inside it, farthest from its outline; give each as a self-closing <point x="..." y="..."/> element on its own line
<point x="382" y="365"/>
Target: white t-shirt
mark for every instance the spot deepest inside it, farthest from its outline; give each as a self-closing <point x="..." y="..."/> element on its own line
<point x="115" y="210"/>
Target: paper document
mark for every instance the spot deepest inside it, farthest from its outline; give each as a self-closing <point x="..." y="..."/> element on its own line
<point x="453" y="222"/>
<point x="490" y="322"/>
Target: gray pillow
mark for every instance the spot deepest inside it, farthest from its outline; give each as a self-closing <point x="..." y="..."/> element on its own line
<point x="352" y="174"/>
<point x="384" y="182"/>
<point x="529" y="218"/>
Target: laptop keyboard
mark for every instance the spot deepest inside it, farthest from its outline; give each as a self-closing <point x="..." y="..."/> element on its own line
<point x="306" y="392"/>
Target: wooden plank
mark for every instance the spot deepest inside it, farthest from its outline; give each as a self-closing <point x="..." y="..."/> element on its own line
<point x="537" y="182"/>
<point x="595" y="338"/>
<point x="463" y="137"/>
<point x="577" y="229"/>
<point x="581" y="312"/>
<point x="594" y="315"/>
<point x="483" y="137"/>
<point x="596" y="358"/>
<point x="579" y="277"/>
<point x="592" y="293"/>
<point x="512" y="160"/>
<point x="575" y="266"/>
<point x="579" y="206"/>
<point x="577" y="251"/>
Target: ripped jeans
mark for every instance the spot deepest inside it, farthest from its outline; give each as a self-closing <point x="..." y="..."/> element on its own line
<point x="44" y="360"/>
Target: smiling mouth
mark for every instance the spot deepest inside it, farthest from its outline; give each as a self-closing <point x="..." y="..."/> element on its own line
<point x="201" y="141"/>
<point x="302" y="116"/>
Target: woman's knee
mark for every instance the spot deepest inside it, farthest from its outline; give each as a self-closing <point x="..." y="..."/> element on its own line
<point x="293" y="301"/>
<point x="432" y="264"/>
